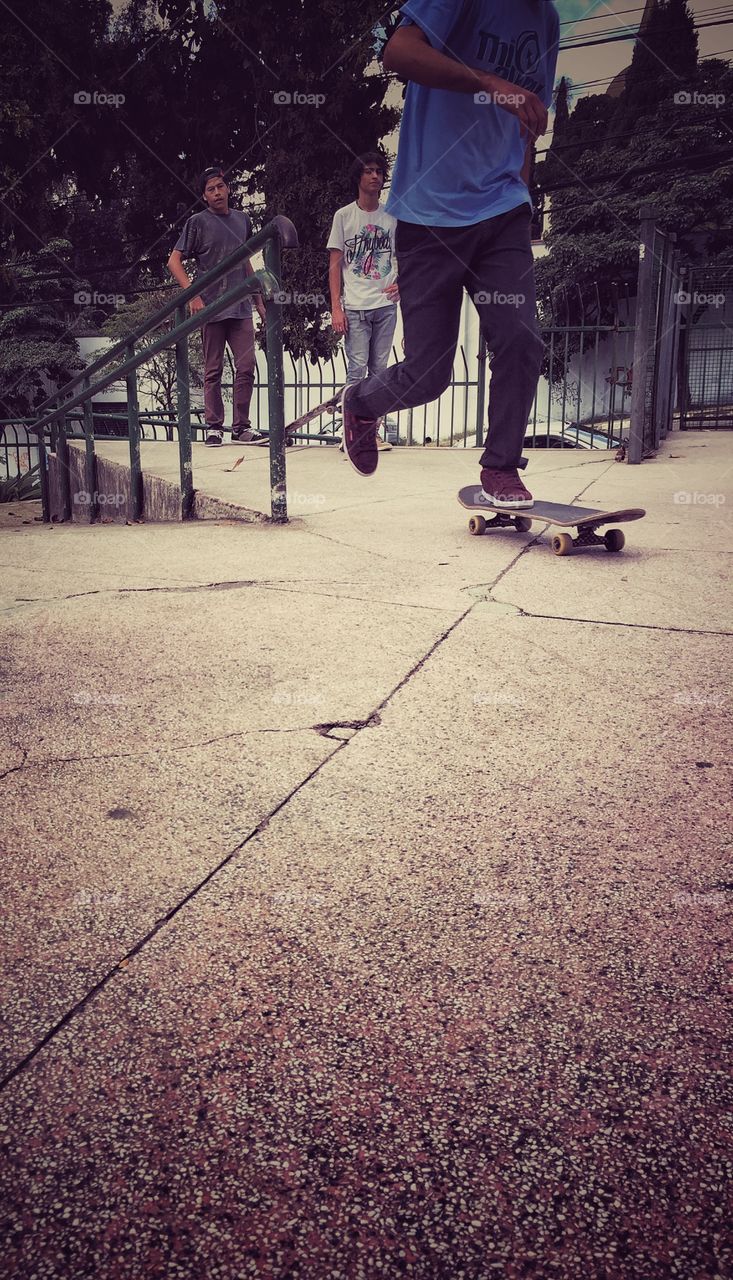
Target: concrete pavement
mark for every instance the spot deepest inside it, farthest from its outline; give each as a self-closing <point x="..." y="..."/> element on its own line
<point x="368" y="885"/>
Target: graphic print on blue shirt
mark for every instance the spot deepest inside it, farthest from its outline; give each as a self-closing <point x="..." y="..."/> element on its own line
<point x="369" y="252"/>
<point x="460" y="155"/>
<point x="515" y="60"/>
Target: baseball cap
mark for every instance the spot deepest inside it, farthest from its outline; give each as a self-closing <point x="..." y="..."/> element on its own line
<point x="213" y="171"/>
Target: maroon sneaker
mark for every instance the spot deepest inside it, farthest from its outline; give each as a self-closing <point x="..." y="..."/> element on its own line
<point x="505" y="488"/>
<point x="359" y="437"/>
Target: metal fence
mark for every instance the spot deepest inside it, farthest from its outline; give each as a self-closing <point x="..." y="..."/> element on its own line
<point x="601" y="384"/>
<point x="705" y="377"/>
<point x="656" y="338"/>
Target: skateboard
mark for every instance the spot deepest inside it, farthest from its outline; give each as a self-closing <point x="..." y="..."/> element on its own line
<point x="585" y="520"/>
<point x="297" y="423"/>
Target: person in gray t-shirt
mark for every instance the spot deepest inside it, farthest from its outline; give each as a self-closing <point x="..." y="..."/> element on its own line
<point x="209" y="237"/>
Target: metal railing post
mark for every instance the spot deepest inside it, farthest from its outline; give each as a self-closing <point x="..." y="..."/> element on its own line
<point x="481" y="391"/>
<point x="133" y="430"/>
<point x="62" y="467"/>
<point x="641" y="391"/>
<point x="183" y="406"/>
<point x="90" y="461"/>
<point x="42" y="476"/>
<point x="275" y="390"/>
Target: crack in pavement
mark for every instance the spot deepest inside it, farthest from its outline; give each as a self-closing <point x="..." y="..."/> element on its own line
<point x="16" y="768"/>
<point x="183" y="746"/>
<point x="604" y="622"/>
<point x="265" y="585"/>
<point x="326" y="730"/>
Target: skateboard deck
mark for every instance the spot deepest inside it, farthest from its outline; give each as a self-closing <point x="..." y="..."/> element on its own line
<point x="585" y="520"/>
<point x="331" y="403"/>
<point x="297" y="423"/>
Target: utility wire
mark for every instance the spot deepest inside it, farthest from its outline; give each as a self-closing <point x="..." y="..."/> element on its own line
<point x="634" y="35"/>
<point x="597" y="17"/>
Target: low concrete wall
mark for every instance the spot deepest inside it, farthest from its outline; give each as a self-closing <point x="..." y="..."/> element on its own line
<point x="112" y="494"/>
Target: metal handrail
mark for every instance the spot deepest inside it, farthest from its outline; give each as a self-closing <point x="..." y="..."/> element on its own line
<point x="260" y="282"/>
<point x="281" y="226"/>
<point x="277" y="234"/>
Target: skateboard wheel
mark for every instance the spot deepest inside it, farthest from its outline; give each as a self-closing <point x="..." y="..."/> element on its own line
<point x="477" y="526"/>
<point x="523" y="524"/>
<point x="562" y="544"/>
<point x="614" y="539"/>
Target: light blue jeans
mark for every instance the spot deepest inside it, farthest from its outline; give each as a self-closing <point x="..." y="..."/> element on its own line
<point x="368" y="342"/>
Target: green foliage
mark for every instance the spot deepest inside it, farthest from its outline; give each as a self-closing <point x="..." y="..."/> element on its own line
<point x="199" y="80"/>
<point x="37" y="346"/>
<point x="614" y="155"/>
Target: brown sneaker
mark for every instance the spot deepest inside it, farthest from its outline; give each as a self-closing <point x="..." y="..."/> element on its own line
<point x="359" y="439"/>
<point x="505" y="488"/>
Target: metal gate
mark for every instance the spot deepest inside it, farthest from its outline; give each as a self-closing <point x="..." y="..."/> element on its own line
<point x="705" y="367"/>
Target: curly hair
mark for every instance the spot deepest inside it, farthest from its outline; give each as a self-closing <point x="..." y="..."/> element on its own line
<point x="361" y="163"/>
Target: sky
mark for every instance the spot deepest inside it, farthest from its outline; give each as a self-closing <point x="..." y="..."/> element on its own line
<point x="585" y="18"/>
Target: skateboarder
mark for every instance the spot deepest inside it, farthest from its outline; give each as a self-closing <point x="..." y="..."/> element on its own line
<point x="363" y="274"/>
<point x="480" y="82"/>
<point x="208" y="237"/>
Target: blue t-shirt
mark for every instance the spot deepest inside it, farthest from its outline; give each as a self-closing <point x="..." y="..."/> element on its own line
<point x="458" y="160"/>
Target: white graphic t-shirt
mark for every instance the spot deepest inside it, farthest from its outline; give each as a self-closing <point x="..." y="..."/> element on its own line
<point x="366" y="240"/>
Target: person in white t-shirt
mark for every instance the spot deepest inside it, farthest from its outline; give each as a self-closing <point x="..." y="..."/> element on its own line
<point x="363" y="274"/>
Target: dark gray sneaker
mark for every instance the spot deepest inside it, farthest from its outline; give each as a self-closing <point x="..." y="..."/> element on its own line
<point x="214" y="437"/>
<point x="247" y="435"/>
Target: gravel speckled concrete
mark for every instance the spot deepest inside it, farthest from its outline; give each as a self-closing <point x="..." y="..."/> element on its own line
<point x="433" y="982"/>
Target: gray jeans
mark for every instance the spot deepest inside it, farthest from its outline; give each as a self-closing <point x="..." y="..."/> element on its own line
<point x="368" y="341"/>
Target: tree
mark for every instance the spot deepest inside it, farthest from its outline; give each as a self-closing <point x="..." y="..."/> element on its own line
<point x="180" y="83"/>
<point x="313" y="110"/>
<point x="666" y="142"/>
<point x="38" y="350"/>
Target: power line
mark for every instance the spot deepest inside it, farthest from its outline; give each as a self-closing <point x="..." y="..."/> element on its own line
<point x="575" y="85"/>
<point x="597" y="17"/>
<point x="634" y="35"/>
